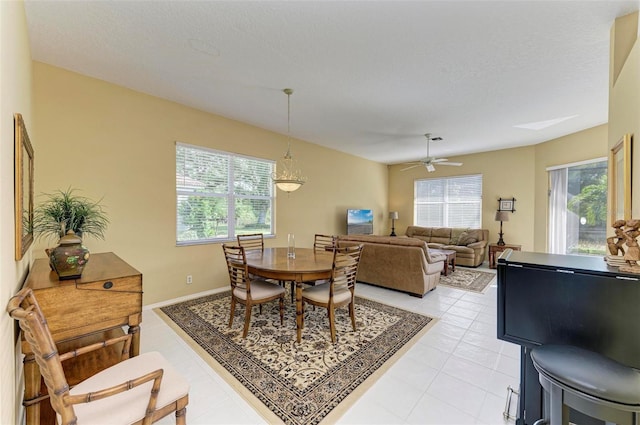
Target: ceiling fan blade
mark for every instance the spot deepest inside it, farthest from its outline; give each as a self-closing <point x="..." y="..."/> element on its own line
<point x="437" y="160"/>
<point x="455" y="164"/>
<point x="413" y="166"/>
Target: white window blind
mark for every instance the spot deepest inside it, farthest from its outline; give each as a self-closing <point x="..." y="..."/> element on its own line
<point x="448" y="202"/>
<point x="221" y="195"/>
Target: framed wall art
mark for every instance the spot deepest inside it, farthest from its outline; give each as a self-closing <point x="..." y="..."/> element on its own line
<point x="620" y="179"/>
<point x="23" y="190"/>
<point x="507" y="204"/>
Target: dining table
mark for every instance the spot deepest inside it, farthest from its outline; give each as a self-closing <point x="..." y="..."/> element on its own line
<point x="308" y="265"/>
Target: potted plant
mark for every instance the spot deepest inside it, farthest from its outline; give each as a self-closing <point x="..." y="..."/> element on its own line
<point x="69" y="217"/>
<point x="64" y="211"/>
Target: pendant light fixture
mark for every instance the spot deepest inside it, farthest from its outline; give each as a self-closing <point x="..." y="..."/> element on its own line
<point x="288" y="176"/>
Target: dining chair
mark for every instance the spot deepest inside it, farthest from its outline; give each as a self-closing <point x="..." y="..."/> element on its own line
<point x="137" y="390"/>
<point x="253" y="241"/>
<point x="323" y="242"/>
<point x="340" y="290"/>
<point x="247" y="290"/>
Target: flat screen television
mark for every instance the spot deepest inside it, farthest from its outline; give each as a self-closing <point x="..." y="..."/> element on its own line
<point x="359" y="222"/>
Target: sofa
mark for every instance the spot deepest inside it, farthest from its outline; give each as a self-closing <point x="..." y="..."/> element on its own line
<point x="470" y="245"/>
<point x="404" y="264"/>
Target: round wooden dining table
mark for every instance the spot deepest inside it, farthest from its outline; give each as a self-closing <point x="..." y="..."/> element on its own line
<point x="308" y="265"/>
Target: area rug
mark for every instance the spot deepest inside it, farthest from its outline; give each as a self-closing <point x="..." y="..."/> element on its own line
<point x="467" y="279"/>
<point x="307" y="383"/>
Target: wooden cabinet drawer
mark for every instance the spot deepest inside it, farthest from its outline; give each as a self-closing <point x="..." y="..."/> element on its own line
<point x="87" y="307"/>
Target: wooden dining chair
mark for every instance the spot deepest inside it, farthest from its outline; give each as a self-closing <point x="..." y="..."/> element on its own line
<point x="250" y="242"/>
<point x="138" y="390"/>
<point x="323" y="242"/>
<point x="247" y="290"/>
<point x="255" y="241"/>
<point x="340" y="290"/>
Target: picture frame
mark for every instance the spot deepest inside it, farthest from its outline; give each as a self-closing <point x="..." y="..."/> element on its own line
<point x="23" y="187"/>
<point x="620" y="179"/>
<point x="506" y="204"/>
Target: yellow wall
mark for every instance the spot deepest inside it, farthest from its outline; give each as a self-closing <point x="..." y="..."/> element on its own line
<point x="581" y="146"/>
<point x="507" y="173"/>
<point x="519" y="172"/>
<point x="624" y="97"/>
<point x="15" y="89"/>
<point x="118" y="144"/>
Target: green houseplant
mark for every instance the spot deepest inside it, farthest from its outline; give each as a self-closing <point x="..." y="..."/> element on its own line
<point x="64" y="211"/>
<point x="69" y="217"/>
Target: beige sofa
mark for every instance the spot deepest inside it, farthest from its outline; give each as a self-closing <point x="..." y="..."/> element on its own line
<point x="470" y="245"/>
<point x="403" y="264"/>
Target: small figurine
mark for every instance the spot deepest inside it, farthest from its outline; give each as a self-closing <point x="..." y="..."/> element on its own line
<point x="631" y="233"/>
<point x="616" y="243"/>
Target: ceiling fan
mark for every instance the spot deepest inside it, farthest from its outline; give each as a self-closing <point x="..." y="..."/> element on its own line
<point x="430" y="162"/>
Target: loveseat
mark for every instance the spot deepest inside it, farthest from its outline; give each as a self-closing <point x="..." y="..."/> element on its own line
<point x="403" y="264"/>
<point x="470" y="245"/>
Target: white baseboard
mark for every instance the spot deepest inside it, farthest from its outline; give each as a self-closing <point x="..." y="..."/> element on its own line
<point x="185" y="298"/>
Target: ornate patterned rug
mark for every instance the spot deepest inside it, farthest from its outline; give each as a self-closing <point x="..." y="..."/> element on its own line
<point x="467" y="279"/>
<point x="286" y="382"/>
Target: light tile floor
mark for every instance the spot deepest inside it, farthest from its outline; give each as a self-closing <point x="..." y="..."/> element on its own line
<point x="457" y="373"/>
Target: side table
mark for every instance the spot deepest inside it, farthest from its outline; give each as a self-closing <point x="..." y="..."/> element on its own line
<point x="449" y="262"/>
<point x="494" y="249"/>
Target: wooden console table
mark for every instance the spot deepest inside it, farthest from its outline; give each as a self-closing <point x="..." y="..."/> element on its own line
<point x="494" y="249"/>
<point x="107" y="297"/>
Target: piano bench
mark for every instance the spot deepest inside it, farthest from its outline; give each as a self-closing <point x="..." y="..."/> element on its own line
<point x="587" y="382"/>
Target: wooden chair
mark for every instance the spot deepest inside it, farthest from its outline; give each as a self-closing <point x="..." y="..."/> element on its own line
<point x="324" y="242"/>
<point x="250" y="242"/>
<point x="339" y="291"/>
<point x="138" y="390"/>
<point x="246" y="290"/>
<point x="255" y="241"/>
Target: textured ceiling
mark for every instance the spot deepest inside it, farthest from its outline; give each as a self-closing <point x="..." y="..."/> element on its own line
<point x="369" y="77"/>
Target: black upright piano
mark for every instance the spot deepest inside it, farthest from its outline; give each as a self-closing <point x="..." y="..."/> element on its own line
<point x="565" y="299"/>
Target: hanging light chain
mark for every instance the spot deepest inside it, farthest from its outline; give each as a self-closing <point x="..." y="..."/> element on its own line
<point x="288" y="92"/>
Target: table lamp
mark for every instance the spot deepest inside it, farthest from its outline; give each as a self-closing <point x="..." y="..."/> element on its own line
<point x="393" y="215"/>
<point x="501" y="216"/>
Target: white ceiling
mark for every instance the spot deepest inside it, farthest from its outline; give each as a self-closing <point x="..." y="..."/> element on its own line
<point x="369" y="77"/>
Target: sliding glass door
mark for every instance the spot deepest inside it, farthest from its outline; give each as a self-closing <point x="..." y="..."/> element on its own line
<point x="578" y="208"/>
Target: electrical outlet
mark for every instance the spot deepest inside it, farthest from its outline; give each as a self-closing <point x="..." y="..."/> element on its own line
<point x="189" y="279"/>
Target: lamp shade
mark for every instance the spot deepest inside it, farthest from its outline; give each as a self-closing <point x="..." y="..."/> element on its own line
<point x="502" y="215"/>
<point x="288" y="185"/>
<point x="393" y="215"/>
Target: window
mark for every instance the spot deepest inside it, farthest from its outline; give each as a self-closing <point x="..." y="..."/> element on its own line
<point x="221" y="195"/>
<point x="578" y="208"/>
<point x="448" y="202"/>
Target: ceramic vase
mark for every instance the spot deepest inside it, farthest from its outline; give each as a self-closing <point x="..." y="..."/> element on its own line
<point x="69" y="257"/>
